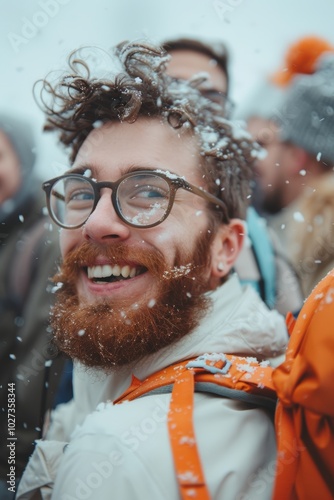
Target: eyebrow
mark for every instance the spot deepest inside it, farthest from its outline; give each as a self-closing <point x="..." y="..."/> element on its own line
<point x="81" y="169"/>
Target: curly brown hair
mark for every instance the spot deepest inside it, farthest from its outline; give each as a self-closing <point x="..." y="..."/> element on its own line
<point x="136" y="85"/>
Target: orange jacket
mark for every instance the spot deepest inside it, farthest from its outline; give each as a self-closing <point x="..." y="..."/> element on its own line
<point x="305" y="412"/>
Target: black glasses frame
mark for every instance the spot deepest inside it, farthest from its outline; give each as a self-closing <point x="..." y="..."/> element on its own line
<point x="173" y="182"/>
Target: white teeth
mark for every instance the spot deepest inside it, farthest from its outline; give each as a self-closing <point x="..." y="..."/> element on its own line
<point x="106" y="271"/>
<point x="116" y="270"/>
<point x="125" y="271"/>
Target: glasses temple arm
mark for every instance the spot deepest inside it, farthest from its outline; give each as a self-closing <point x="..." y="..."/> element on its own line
<point x="57" y="195"/>
<point x="209" y="197"/>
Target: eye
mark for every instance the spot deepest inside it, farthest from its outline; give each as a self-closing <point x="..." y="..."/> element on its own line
<point x="266" y="137"/>
<point x="149" y="192"/>
<point x="78" y="191"/>
<point x="79" y="195"/>
<point x="214" y="95"/>
<point x="143" y="192"/>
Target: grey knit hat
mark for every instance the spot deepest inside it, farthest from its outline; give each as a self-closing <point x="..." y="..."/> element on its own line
<point x="306" y="118"/>
<point x="19" y="131"/>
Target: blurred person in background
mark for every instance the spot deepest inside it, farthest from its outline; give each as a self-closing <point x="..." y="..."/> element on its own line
<point x="28" y="254"/>
<point x="262" y="261"/>
<point x="296" y="177"/>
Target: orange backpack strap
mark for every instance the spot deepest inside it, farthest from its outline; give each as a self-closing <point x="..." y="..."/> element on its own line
<point x="225" y="375"/>
<point x="158" y="383"/>
<point x="221" y="374"/>
<point x="187" y="461"/>
<point x="290" y="322"/>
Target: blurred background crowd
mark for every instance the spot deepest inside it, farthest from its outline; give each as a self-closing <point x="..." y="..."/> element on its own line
<point x="37" y="36"/>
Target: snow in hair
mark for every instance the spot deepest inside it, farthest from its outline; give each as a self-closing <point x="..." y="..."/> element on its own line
<point x="130" y="82"/>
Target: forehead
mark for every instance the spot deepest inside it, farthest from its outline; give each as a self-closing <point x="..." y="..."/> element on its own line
<point x="117" y="148"/>
<point x="187" y="63"/>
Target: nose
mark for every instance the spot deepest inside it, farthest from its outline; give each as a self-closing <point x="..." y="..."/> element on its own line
<point x="104" y="224"/>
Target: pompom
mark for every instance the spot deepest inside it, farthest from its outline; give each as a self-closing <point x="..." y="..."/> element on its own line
<point x="301" y="58"/>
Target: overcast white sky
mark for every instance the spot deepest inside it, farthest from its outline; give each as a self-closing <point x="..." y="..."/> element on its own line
<point x="37" y="35"/>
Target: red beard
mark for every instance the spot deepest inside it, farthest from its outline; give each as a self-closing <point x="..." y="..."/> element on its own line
<point x="107" y="335"/>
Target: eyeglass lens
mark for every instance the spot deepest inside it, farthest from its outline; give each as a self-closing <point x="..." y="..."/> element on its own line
<point x="142" y="199"/>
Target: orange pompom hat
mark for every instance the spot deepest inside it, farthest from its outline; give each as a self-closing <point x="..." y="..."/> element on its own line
<point x="301" y="58"/>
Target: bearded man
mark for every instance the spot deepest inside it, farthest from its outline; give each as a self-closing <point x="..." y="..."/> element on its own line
<point x="151" y="213"/>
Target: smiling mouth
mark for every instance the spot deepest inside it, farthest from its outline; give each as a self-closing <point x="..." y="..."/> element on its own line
<point x="110" y="274"/>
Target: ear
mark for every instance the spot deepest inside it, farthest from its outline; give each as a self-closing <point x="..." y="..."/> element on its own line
<point x="225" y="249"/>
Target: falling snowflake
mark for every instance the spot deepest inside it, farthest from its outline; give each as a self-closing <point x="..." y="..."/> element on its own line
<point x="298" y="217"/>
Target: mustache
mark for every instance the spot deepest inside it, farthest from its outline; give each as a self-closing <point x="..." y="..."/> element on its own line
<point x="151" y="259"/>
<point x="87" y="253"/>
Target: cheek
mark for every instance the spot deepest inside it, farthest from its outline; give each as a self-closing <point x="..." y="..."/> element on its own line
<point x="268" y="164"/>
<point x="166" y="242"/>
<point x="68" y="240"/>
<point x="182" y="233"/>
<point x="10" y="183"/>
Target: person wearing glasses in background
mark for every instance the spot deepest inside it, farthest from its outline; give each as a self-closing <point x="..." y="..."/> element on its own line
<point x="262" y="262"/>
<point x="152" y="215"/>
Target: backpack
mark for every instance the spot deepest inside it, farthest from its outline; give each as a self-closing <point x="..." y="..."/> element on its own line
<point x="304" y="417"/>
<point x="268" y="268"/>
<point x="299" y="391"/>
<point x="225" y="375"/>
<point x="263" y="252"/>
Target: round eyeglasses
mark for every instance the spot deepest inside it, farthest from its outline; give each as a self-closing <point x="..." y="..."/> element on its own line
<point x="141" y="199"/>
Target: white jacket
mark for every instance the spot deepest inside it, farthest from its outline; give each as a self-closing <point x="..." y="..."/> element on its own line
<point x="123" y="451"/>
